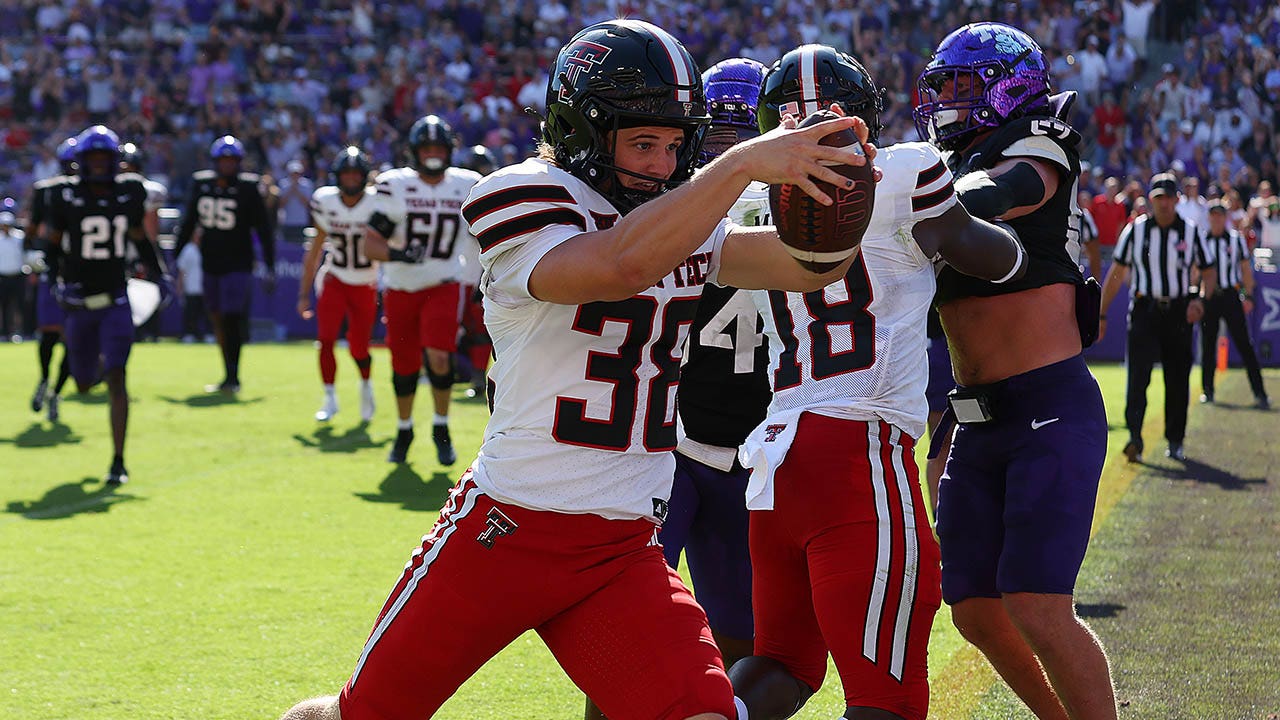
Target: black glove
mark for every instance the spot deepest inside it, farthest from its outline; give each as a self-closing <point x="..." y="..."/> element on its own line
<point x="410" y="254"/>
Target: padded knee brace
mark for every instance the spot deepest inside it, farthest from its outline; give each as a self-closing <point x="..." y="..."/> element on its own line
<point x="405" y="385"/>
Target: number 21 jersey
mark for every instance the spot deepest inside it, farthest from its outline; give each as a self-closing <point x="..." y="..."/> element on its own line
<point x="584" y="395"/>
<point x="427" y="216"/>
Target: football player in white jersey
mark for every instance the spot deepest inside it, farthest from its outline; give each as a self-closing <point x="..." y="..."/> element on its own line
<point x="843" y="556"/>
<point x="347" y="288"/>
<point x="593" y="263"/>
<point x="418" y="229"/>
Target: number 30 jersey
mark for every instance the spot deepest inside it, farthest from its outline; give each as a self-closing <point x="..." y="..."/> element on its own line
<point x="343" y="227"/>
<point x="856" y="349"/>
<point x="584" y="395"/>
<point x="429" y="216"/>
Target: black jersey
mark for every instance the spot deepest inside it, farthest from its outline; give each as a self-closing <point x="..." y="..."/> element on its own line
<point x="95" y="221"/>
<point x="227" y="216"/>
<point x="1050" y="234"/>
<point x="724" y="388"/>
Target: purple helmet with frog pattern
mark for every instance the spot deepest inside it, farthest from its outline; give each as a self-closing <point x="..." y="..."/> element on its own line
<point x="1009" y="78"/>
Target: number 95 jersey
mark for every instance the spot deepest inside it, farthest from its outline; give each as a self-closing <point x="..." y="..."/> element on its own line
<point x="429" y="216"/>
<point x="584" y="396"/>
<point x="344" y="234"/>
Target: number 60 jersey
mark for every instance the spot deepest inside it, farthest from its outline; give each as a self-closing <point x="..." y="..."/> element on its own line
<point x="584" y="395"/>
<point x="427" y="216"/>
<point x="344" y="234"/>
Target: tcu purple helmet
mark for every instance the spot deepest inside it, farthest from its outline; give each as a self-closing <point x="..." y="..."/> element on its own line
<point x="67" y="156"/>
<point x="732" y="88"/>
<point x="98" y="139"/>
<point x="1009" y="78"/>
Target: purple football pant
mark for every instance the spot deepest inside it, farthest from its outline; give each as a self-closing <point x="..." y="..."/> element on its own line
<point x="941" y="381"/>
<point x="707" y="518"/>
<point x="228" y="292"/>
<point x="97" y="341"/>
<point x="48" y="312"/>
<point x="1016" y="501"/>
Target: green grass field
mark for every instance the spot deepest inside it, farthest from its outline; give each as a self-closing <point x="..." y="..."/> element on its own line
<point x="243" y="565"/>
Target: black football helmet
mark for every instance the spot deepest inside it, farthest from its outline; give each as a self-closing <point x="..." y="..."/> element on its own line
<point x="619" y="74"/>
<point x="351" y="158"/>
<point x="427" y="131"/>
<point x="480" y="160"/>
<point x="815" y="77"/>
<point x="131" y="158"/>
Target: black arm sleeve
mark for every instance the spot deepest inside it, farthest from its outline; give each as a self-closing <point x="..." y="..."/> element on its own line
<point x="188" y="225"/>
<point x="383" y="224"/>
<point x="266" y="232"/>
<point x="989" y="197"/>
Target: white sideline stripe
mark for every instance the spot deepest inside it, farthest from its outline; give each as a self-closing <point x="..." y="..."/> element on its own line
<point x="911" y="561"/>
<point x="468" y="503"/>
<point x="809" y="81"/>
<point x="879" y="583"/>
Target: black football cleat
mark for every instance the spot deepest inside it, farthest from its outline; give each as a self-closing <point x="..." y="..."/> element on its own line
<point x="37" y="399"/>
<point x="117" y="475"/>
<point x="1133" y="450"/>
<point x="400" y="450"/>
<point x="226" y="387"/>
<point x="444" y="445"/>
<point x="1175" y="452"/>
<point x="1262" y="403"/>
<point x="1207" y="397"/>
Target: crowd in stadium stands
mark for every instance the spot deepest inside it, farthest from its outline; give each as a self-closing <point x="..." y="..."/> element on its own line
<point x="297" y="80"/>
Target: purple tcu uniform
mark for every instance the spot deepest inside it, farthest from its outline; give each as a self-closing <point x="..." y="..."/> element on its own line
<point x="227" y="216"/>
<point x="94" y="224"/>
<point x="1016" y="500"/>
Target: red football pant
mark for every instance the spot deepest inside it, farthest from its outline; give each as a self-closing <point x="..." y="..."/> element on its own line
<point x="847" y="561"/>
<point x="617" y="619"/>
<point x="359" y="305"/>
<point x="480" y="348"/>
<point x="421" y="319"/>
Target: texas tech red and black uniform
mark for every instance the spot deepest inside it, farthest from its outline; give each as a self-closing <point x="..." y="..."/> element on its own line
<point x="1050" y="234"/>
<point x="346" y="286"/>
<point x="92" y="266"/>
<point x="227" y="217"/>
<point x="561" y="507"/>
<point x="843" y="556"/>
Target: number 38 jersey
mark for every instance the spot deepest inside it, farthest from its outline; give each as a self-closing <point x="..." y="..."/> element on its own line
<point x="94" y="227"/>
<point x="343" y="228"/>
<point x="427" y="216"/>
<point x="584" y="395"/>
<point x="856" y="349"/>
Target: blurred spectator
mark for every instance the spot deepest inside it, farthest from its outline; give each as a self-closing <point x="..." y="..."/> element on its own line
<point x="295" y="203"/>
<point x="1093" y="71"/>
<point x="1192" y="206"/>
<point x="1137" y="23"/>
<point x="12" y="277"/>
<point x="1109" y="215"/>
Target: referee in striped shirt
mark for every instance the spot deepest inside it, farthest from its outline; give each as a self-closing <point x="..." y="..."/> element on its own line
<point x="1157" y="252"/>
<point x="1232" y="302"/>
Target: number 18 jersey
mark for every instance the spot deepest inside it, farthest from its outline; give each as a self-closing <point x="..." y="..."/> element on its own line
<point x="584" y="395"/>
<point x="343" y="227"/>
<point x="427" y="216"/>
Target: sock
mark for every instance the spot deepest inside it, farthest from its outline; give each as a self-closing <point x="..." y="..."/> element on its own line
<point x="47" y="342"/>
<point x="329" y="390"/>
<point x="231" y="353"/>
<point x="405" y="424"/>
<point x="365" y="365"/>
<point x="365" y="384"/>
<point x="64" y="373"/>
<point x="440" y="420"/>
<point x="741" y="708"/>
<point x="117" y="460"/>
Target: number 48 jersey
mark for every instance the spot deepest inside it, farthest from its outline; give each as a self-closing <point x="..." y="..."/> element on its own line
<point x="427" y="216"/>
<point x="856" y="349"/>
<point x="343" y="227"/>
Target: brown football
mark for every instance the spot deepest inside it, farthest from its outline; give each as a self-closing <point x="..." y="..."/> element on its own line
<point x="818" y="236"/>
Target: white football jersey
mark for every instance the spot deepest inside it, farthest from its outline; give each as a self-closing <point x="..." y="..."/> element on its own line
<point x="752" y="206"/>
<point x="430" y="216"/>
<point x="857" y="348"/>
<point x="343" y="228"/>
<point x="157" y="194"/>
<point x="584" y="416"/>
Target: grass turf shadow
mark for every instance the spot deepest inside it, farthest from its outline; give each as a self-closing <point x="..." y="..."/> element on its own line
<point x="1202" y="472"/>
<point x="203" y="400"/>
<point x="39" y="435"/>
<point x="404" y="486"/>
<point x="326" y="440"/>
<point x="70" y="499"/>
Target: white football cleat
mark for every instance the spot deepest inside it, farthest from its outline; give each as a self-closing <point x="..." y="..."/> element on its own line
<point x="367" y="405"/>
<point x="328" y="410"/>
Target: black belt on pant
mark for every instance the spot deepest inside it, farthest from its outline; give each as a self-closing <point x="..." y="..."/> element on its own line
<point x="1158" y="303"/>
